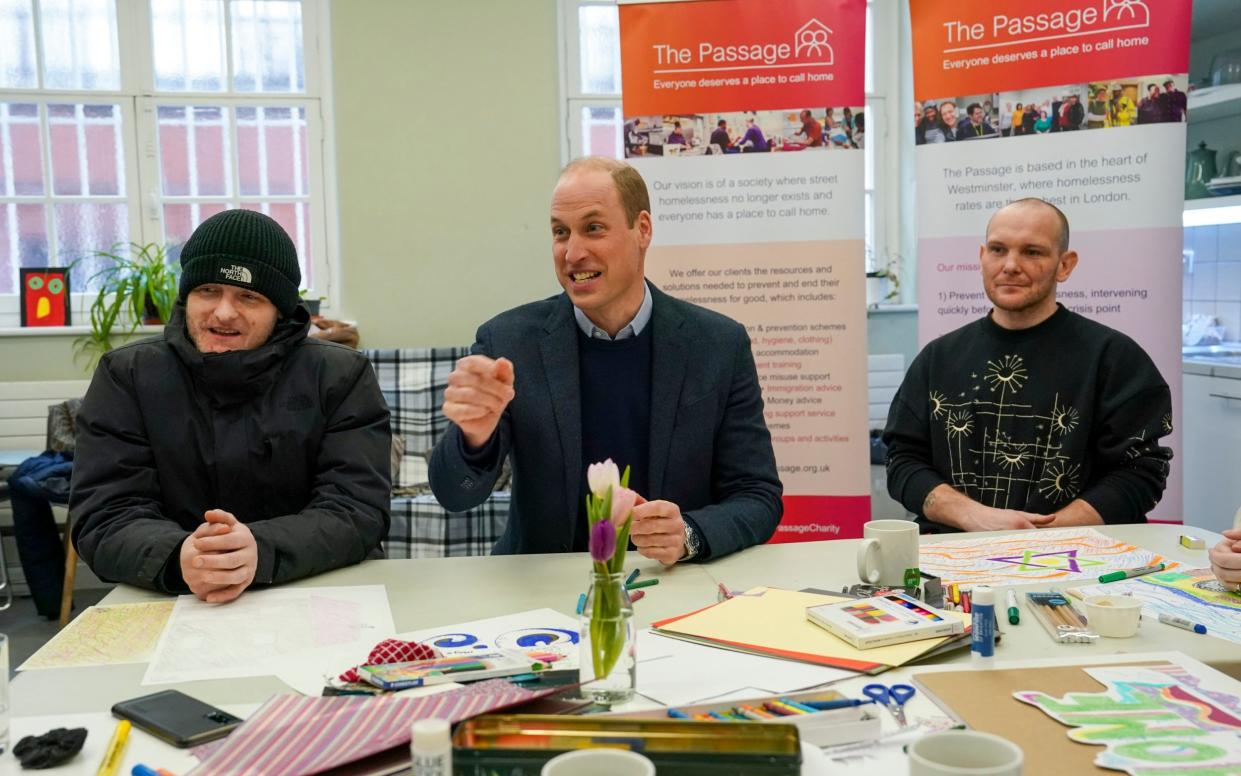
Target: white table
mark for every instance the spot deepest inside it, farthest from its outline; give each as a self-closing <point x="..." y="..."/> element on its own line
<point x="431" y="592"/>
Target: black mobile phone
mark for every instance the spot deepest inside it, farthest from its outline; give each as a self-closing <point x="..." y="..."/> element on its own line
<point x="177" y="718"/>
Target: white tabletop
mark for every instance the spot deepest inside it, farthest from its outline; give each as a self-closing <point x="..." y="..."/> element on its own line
<point x="431" y="592"/>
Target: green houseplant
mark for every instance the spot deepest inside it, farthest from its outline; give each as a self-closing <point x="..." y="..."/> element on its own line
<point x="138" y="286"/>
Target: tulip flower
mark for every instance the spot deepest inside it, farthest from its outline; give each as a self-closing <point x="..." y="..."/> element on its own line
<point x="601" y="476"/>
<point x="623" y="501"/>
<point x="602" y="541"/>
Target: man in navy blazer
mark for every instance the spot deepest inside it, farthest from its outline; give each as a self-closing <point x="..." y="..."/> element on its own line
<point x="611" y="368"/>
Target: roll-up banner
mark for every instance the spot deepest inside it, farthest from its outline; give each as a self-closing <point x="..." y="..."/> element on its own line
<point x="746" y="119"/>
<point x="1078" y="102"/>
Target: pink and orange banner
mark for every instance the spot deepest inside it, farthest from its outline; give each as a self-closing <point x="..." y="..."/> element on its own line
<point x="747" y="119"/>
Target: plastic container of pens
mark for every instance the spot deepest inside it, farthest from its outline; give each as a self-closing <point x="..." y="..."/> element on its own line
<point x="812" y="713"/>
<point x="1061" y="621"/>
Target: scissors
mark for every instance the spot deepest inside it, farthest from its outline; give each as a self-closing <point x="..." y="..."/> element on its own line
<point x="893" y="698"/>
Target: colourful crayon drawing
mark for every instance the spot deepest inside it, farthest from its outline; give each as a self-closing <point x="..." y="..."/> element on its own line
<point x="1150" y="723"/>
<point x="1053" y="555"/>
<point x="1193" y="594"/>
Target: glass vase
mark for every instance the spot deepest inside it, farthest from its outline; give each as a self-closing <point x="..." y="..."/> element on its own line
<point x="608" y="660"/>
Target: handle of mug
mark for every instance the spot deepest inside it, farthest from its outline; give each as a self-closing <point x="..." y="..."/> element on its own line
<point x="868" y="569"/>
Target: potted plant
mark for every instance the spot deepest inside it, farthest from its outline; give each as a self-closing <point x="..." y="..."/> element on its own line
<point x="312" y="302"/>
<point x="139" y="286"/>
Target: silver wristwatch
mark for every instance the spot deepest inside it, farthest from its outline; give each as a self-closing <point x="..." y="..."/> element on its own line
<point x="692" y="542"/>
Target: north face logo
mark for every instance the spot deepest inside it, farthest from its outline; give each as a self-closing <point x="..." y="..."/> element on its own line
<point x="236" y="274"/>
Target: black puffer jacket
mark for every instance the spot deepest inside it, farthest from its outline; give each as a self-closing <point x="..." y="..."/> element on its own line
<point x="291" y="437"/>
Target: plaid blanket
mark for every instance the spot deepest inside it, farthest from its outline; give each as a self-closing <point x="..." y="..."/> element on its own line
<point x="413" y="381"/>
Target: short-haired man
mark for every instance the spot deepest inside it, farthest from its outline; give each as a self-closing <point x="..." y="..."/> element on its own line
<point x="611" y="368"/>
<point x="811" y="129"/>
<point x="1175" y="103"/>
<point x="976" y="126"/>
<point x="1033" y="416"/>
<point x="719" y="136"/>
<point x="234" y="450"/>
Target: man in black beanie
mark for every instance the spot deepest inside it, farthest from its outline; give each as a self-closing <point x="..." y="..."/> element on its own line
<point x="233" y="450"/>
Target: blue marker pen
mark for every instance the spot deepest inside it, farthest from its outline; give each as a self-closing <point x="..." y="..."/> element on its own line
<point x="982" y="626"/>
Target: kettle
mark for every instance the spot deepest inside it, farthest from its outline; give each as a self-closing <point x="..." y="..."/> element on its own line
<point x="1199" y="168"/>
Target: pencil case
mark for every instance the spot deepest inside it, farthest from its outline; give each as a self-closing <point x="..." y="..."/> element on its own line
<point x="520" y="744"/>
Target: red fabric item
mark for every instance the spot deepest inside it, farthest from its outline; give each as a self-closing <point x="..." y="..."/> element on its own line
<point x="392" y="651"/>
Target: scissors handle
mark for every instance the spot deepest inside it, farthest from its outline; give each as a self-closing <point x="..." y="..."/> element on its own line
<point x="901" y="693"/>
<point x="877" y="693"/>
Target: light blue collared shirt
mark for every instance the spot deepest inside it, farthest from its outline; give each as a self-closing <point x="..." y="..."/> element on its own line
<point x="631" y="329"/>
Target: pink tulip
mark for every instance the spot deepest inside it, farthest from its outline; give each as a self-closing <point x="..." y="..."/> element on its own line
<point x="623" y="501"/>
<point x="602" y="541"/>
<point x="601" y="476"/>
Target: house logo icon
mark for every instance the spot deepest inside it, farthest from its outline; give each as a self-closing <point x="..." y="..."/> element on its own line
<point x="1132" y="12"/>
<point x="811" y="40"/>
<point x="236" y="274"/>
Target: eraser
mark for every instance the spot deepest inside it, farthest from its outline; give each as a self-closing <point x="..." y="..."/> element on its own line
<point x="1192" y="542"/>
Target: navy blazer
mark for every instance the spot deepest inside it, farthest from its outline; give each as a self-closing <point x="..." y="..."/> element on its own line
<point x="710" y="451"/>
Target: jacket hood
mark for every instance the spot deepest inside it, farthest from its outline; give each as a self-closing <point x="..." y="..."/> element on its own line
<point x="238" y="374"/>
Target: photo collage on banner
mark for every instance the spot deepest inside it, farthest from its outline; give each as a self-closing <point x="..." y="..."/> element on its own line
<point x="746" y="119"/>
<point x="1078" y="102"/>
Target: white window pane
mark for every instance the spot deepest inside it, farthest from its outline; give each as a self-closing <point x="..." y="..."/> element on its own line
<point x="187" y="39"/>
<point x="601" y="132"/>
<point x="21" y="150"/>
<point x="23" y="242"/>
<point x="195" y="156"/>
<point x="86" y="149"/>
<point x="17" y="55"/>
<point x="599" y="48"/>
<point x="181" y="220"/>
<point x="79" y="44"/>
<point x="271" y="150"/>
<point x="295" y="218"/>
<point x="267" y="46"/>
<point x="82" y="228"/>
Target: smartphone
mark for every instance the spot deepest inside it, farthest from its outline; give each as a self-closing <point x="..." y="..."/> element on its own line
<point x="177" y="718"/>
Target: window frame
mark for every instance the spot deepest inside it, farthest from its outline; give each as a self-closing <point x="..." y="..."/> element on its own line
<point x="138" y="100"/>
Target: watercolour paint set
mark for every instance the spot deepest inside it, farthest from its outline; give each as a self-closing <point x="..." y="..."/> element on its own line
<point x="892" y="618"/>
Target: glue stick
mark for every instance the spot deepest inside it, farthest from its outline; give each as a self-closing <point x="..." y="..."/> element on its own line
<point x="430" y="746"/>
<point x="982" y="626"/>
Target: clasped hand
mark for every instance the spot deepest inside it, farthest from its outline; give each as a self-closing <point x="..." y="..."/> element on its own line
<point x="658" y="530"/>
<point x="219" y="560"/>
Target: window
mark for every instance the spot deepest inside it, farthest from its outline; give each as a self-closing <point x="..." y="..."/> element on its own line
<point x="218" y="106"/>
<point x="591" y="83"/>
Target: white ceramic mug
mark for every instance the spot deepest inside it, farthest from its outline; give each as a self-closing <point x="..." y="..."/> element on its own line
<point x="890" y="547"/>
<point x="599" y="762"/>
<point x="964" y="753"/>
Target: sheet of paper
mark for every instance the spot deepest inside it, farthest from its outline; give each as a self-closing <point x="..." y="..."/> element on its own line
<point x="1053" y="555"/>
<point x="770" y="618"/>
<point x="105" y="635"/>
<point x="543" y="630"/>
<point x="1167" y="716"/>
<point x="1194" y="594"/>
<point x="254" y="634"/>
<point x="692" y="673"/>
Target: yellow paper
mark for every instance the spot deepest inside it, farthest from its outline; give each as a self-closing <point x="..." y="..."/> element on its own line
<point x="105" y="635"/>
<point x="767" y="618"/>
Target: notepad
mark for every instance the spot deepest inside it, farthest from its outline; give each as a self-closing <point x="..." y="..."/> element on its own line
<point x="892" y="618"/>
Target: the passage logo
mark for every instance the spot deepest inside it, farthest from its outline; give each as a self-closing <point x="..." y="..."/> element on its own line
<point x="1006" y="29"/>
<point x="810" y="47"/>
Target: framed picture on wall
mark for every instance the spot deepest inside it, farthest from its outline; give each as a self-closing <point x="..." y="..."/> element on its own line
<point x="45" y="296"/>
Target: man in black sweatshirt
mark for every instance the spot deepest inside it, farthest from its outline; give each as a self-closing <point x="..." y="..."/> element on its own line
<point x="1033" y="416"/>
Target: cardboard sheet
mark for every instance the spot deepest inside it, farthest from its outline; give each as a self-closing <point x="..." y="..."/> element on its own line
<point x="984" y="701"/>
<point x="771" y="621"/>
